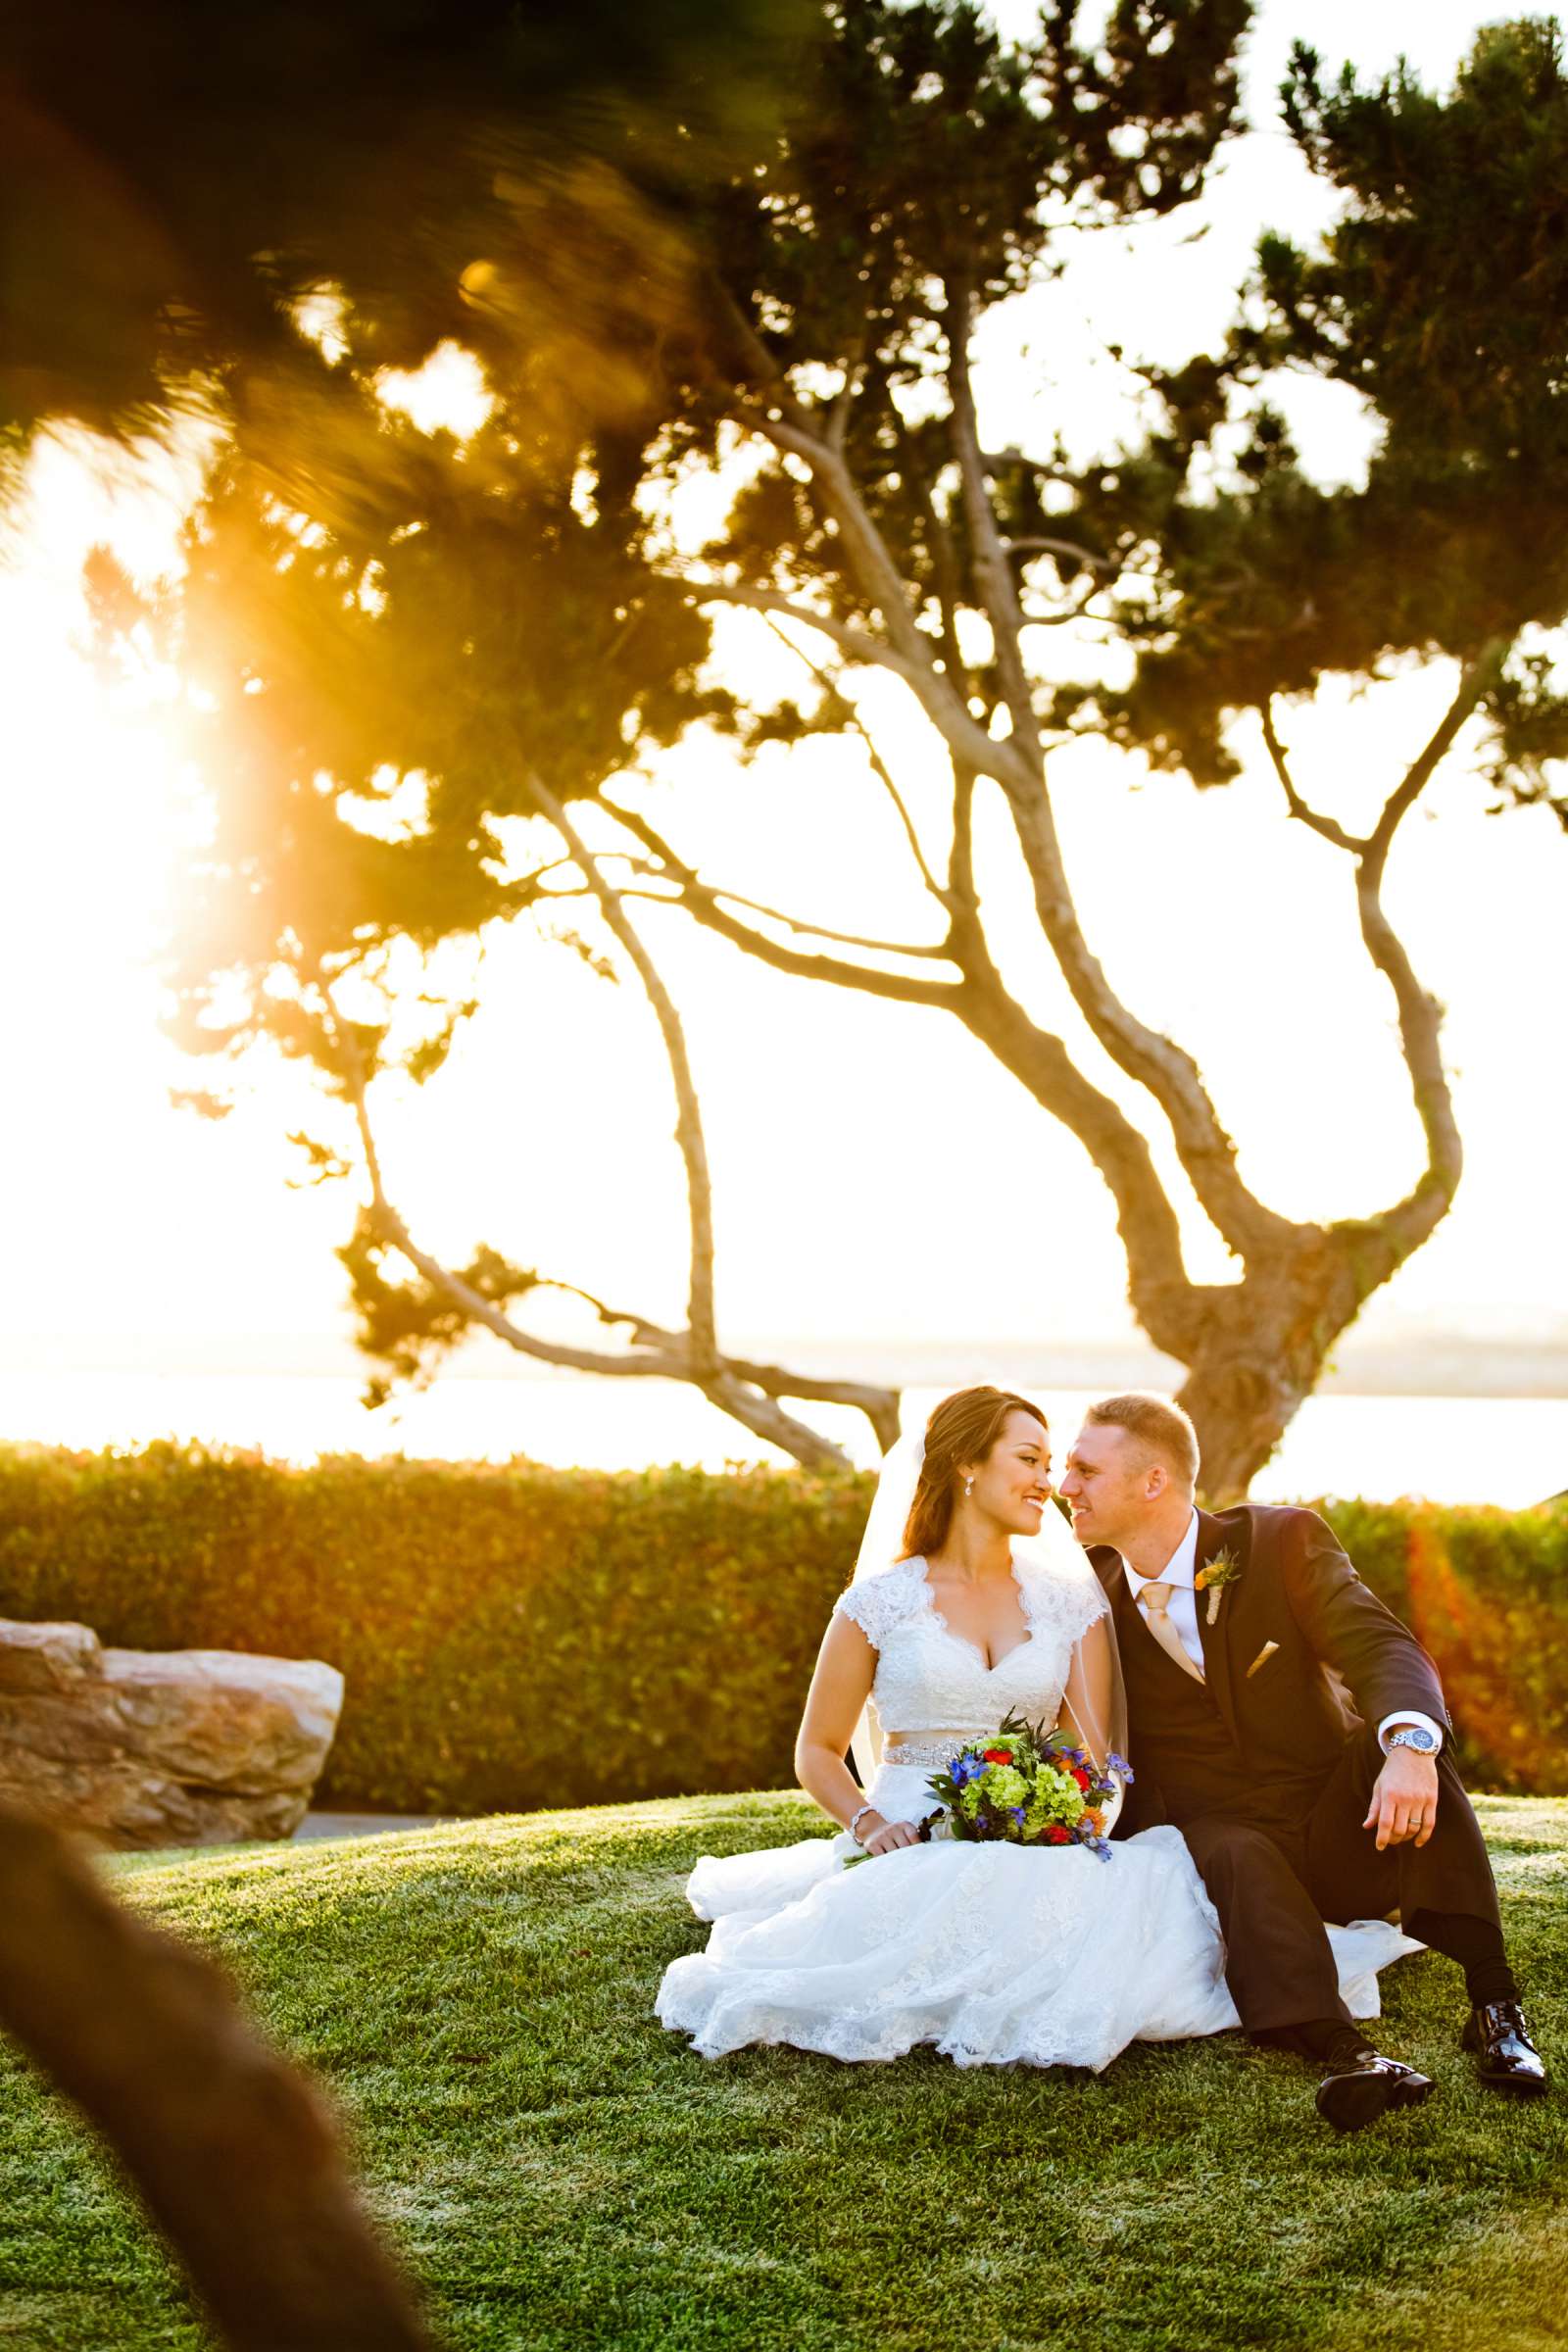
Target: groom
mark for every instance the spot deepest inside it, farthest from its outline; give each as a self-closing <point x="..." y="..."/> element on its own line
<point x="1295" y="1733"/>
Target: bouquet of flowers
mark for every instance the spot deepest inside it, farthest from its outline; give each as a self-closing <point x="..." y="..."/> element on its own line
<point x="1025" y="1786"/>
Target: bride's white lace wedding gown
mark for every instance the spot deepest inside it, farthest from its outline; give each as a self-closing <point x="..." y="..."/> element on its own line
<point x="994" y="1953"/>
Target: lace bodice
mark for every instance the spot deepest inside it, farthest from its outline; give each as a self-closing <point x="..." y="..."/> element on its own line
<point x="929" y="1678"/>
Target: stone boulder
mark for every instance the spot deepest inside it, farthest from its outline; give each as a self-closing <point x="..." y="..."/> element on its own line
<point x="139" y="1748"/>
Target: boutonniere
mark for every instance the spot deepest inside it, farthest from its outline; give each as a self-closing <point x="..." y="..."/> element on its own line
<point x="1222" y="1570"/>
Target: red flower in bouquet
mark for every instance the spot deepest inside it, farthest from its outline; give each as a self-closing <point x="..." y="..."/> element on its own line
<point x="1079" y="1775"/>
<point x="997" y="1755"/>
<point x="1058" y="1836"/>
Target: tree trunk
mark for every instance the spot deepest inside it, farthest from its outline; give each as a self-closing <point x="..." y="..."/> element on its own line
<point x="1240" y="1409"/>
<point x="1259" y="1353"/>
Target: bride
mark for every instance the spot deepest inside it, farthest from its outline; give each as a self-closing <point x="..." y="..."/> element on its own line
<point x="970" y="1601"/>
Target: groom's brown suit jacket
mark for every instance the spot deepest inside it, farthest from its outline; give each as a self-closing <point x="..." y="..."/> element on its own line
<point x="1339" y="1658"/>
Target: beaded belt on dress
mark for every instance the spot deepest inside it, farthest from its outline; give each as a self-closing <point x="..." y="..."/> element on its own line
<point x="932" y="1754"/>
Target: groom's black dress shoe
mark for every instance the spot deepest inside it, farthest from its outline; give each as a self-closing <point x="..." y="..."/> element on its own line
<point x="1360" y="2087"/>
<point x="1509" y="2059"/>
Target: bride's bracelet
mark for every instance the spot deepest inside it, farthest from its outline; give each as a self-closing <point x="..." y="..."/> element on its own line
<point x="855" y="1820"/>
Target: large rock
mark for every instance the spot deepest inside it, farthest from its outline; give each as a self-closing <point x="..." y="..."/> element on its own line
<point x="160" y="1747"/>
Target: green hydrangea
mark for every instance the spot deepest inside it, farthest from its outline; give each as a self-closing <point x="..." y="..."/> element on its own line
<point x="1003" y="1784"/>
<point x="1056" y="1799"/>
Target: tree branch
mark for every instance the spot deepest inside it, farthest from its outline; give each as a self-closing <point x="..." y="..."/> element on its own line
<point x="232" y="2151"/>
<point x="939" y="705"/>
<point x="689" y="1120"/>
<point x="757" y="363"/>
<point x="1409" y="1221"/>
<point x="1071" y="613"/>
<point x="1168" y="1070"/>
<point x="943" y="561"/>
<point x="878" y="577"/>
<point x="1163" y="1298"/>
<point x="1407" y="1224"/>
<point x="475" y="1304"/>
<point x="1035" y="545"/>
<point x="766" y="1418"/>
<point x="702" y="902"/>
<point x="791" y="922"/>
<point x="1327" y="826"/>
<point x="963" y="862"/>
<point x="879" y="1406"/>
<point x="884" y="775"/>
<point x="1167" y="1302"/>
<point x="859" y="644"/>
<point x="998" y="593"/>
<point x="1170" y="1075"/>
<point x="1476" y="679"/>
<point x="665" y="1354"/>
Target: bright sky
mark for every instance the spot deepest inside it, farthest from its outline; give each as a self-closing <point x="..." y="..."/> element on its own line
<point x="876" y="1173"/>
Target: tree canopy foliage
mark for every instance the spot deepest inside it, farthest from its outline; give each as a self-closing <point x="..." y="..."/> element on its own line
<point x="1439" y="297"/>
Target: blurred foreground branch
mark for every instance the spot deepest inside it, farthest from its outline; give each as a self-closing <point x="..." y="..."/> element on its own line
<point x="235" y="2155"/>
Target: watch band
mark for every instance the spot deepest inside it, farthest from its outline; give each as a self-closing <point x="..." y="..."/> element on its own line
<point x="1412" y="1734"/>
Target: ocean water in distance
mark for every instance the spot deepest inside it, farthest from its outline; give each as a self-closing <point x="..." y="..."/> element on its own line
<point x="1502" y="1449"/>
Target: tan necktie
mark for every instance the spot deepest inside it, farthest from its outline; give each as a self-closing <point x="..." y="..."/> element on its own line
<point x="1155" y="1602"/>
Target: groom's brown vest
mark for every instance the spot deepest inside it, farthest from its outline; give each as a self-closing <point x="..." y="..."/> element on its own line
<point x="1183" y="1747"/>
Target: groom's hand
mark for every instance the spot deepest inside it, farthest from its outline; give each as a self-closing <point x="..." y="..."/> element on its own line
<point x="1404" y="1800"/>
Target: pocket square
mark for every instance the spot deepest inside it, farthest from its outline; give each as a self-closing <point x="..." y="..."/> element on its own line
<point x="1263" y="1658"/>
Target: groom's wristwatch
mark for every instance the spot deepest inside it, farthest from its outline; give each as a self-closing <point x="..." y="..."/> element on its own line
<point x="1411" y="1734"/>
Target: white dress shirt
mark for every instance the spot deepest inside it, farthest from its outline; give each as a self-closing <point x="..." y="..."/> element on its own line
<point x="1179" y="1573"/>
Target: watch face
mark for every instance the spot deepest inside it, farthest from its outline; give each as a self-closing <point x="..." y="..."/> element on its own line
<point x="1414" y="1738"/>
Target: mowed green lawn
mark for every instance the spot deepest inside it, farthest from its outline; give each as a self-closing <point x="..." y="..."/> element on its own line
<point x="558" y="2172"/>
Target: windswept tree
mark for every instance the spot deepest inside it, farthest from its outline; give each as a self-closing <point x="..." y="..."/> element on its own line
<point x="805" y="327"/>
<point x="917" y="193"/>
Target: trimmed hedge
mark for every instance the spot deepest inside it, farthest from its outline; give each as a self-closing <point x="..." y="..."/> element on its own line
<point x="519" y="1636"/>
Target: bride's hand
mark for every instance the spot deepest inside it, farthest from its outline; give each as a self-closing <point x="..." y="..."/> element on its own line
<point x="889" y="1834"/>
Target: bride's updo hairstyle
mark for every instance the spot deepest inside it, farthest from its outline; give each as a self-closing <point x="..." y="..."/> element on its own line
<point x="962" y="1428"/>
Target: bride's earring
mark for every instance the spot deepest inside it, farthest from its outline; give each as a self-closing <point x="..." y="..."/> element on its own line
<point x="969" y="1486"/>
